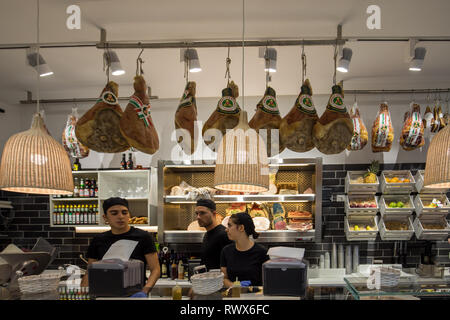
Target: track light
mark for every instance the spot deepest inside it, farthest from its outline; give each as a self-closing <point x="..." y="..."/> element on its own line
<point x="417" y="61"/>
<point x="113" y="62"/>
<point x="270" y="57"/>
<point x="344" y="61"/>
<point x="41" y="67"/>
<point x="191" y="57"/>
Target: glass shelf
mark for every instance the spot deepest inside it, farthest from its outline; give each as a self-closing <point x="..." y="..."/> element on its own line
<point x="411" y="286"/>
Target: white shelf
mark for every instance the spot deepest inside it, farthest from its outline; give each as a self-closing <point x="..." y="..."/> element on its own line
<point x="247" y="198"/>
<point x="98" y="229"/>
<point x="75" y="199"/>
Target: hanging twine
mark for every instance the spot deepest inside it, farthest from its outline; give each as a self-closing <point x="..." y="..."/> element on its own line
<point x="243" y="53"/>
<point x="227" y="72"/>
<point x="303" y="63"/>
<point x="335" y="63"/>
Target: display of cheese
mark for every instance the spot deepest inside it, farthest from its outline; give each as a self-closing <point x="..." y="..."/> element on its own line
<point x="382" y="130"/>
<point x="261" y="223"/>
<point x="99" y="127"/>
<point x="185" y="118"/>
<point x="136" y="124"/>
<point x="297" y="126"/>
<point x="412" y="136"/>
<point x="266" y="121"/>
<point x="70" y="142"/>
<point x="360" y="134"/>
<point x="226" y="116"/>
<point x="333" y="131"/>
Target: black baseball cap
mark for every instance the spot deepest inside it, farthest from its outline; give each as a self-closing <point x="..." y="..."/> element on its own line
<point x="207" y="203"/>
<point x="108" y="203"/>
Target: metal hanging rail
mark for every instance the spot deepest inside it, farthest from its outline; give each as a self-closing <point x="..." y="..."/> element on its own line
<point x="398" y="91"/>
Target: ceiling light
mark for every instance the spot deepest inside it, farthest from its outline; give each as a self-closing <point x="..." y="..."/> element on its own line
<point x="191" y="57"/>
<point x="114" y="63"/>
<point x="417" y="61"/>
<point x="270" y="57"/>
<point x="36" y="61"/>
<point x="344" y="62"/>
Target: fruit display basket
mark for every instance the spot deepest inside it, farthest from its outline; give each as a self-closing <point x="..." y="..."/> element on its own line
<point x="361" y="205"/>
<point x="354" y="183"/>
<point x="396" y="228"/>
<point x="419" y="177"/>
<point x="397" y="182"/>
<point x="360" y="223"/>
<point x="425" y="228"/>
<point x="432" y="204"/>
<point x="398" y="205"/>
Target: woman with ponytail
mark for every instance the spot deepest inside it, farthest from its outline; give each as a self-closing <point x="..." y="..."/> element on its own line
<point x="243" y="259"/>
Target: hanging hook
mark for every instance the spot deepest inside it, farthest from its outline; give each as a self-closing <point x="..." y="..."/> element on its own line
<point x="139" y="62"/>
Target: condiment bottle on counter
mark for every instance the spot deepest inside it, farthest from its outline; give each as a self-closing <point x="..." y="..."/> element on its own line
<point x="180" y="270"/>
<point x="236" y="289"/>
<point x="176" y="292"/>
<point x="174" y="270"/>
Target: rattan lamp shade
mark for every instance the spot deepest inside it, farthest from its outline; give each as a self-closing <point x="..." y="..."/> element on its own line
<point x="242" y="163"/>
<point x="437" y="167"/>
<point x="34" y="162"/>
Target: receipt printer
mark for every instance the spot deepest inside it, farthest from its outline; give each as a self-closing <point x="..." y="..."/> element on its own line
<point x="115" y="278"/>
<point x="285" y="277"/>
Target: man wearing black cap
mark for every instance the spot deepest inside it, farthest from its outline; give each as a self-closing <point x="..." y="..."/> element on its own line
<point x="215" y="238"/>
<point x="116" y="214"/>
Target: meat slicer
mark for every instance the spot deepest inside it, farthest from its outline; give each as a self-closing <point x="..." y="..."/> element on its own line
<point x="14" y="262"/>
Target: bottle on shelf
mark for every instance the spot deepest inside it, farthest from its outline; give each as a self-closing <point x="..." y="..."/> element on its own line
<point x="76" y="188"/>
<point x="164" y="268"/>
<point x="123" y="163"/>
<point x="70" y="213"/>
<point x="95" y="189"/>
<point x="82" y="188"/>
<point x="77" y="215"/>
<point x="180" y="270"/>
<point x="76" y="165"/>
<point x="55" y="215"/>
<point x="174" y="270"/>
<point x="97" y="216"/>
<point x="87" y="187"/>
<point x="92" y="189"/>
<point x="61" y="215"/>
<point x="130" y="164"/>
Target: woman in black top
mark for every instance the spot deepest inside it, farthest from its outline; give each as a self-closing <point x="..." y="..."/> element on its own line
<point x="243" y="259"/>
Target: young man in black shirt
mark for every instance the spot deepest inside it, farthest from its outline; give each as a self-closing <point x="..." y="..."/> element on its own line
<point x="116" y="214"/>
<point x="215" y="238"/>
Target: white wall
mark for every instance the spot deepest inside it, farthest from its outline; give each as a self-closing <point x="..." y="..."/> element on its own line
<point x="18" y="118"/>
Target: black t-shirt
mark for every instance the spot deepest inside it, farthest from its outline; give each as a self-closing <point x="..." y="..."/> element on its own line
<point x="101" y="243"/>
<point x="245" y="265"/>
<point x="213" y="243"/>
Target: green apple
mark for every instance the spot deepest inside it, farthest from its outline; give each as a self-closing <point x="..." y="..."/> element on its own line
<point x="393" y="205"/>
<point x="400" y="204"/>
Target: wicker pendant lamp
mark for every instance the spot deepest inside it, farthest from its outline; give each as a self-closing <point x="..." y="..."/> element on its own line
<point x="437" y="167"/>
<point x="33" y="162"/>
<point x="242" y="163"/>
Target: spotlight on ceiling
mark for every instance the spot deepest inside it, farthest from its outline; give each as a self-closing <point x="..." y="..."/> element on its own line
<point x="270" y="57"/>
<point x="344" y="61"/>
<point x="113" y="61"/>
<point x="416" y="62"/>
<point x="191" y="57"/>
<point x="36" y="61"/>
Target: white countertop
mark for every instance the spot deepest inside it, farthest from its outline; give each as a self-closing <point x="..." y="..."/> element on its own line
<point x="244" y="296"/>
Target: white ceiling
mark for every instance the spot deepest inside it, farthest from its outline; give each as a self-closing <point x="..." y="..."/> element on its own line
<point x="78" y="71"/>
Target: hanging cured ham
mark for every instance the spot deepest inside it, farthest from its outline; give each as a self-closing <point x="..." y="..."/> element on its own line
<point x="413" y="130"/>
<point x="226" y="115"/>
<point x="70" y="142"/>
<point x="382" y="130"/>
<point x="297" y="126"/>
<point x="136" y="124"/>
<point x="185" y="117"/>
<point x="98" y="128"/>
<point x="334" y="130"/>
<point x="360" y="134"/>
<point x="268" y="117"/>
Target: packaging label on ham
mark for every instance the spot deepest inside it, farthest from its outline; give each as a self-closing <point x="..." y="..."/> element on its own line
<point x="305" y="104"/>
<point x="383" y="130"/>
<point x="336" y="103"/>
<point x="414" y="131"/>
<point x="143" y="111"/>
<point x="227" y="105"/>
<point x="356" y="139"/>
<point x="186" y="100"/>
<point x="269" y="105"/>
<point x="109" y="98"/>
